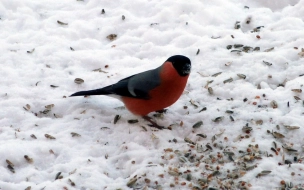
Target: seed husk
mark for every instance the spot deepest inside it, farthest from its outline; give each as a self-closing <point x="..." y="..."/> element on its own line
<point x="78" y="81"/>
<point x="131" y="121"/>
<point x="274" y="104"/>
<point x="202" y="135"/>
<point x="277" y="134"/>
<point x="54" y="86"/>
<point x="49" y="136"/>
<point x="33" y="136"/>
<point x="197" y="124"/>
<point x="203" y="109"/>
<point x="216" y="74"/>
<point x="9" y="162"/>
<point x="31" y="51"/>
<point x="297" y="98"/>
<point x="210" y="90"/>
<point x="103" y="11"/>
<point x="187" y="140"/>
<point x="229" y="111"/>
<point x="49" y="107"/>
<point x="123" y="17"/>
<point x="267" y="63"/>
<point x="75" y="134"/>
<point x="61" y="23"/>
<point x="116" y="118"/>
<point x="263" y="173"/>
<point x="58" y="176"/>
<point x="237" y="25"/>
<point x="228" y="80"/>
<point x="268" y="50"/>
<point x="28" y="159"/>
<point x="229" y="47"/>
<point x="291" y="127"/>
<point x="71" y="182"/>
<point x="218" y="119"/>
<point x="112" y="37"/>
<point x="231" y="118"/>
<point x="242" y="76"/>
<point x="297" y="90"/>
<point x="256" y="49"/>
<point x="238" y="45"/>
<point x="198" y="51"/>
<point x="11" y="168"/>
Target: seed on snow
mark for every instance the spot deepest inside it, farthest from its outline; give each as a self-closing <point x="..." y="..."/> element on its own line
<point x="197" y="124"/>
<point x="210" y="90"/>
<point x="78" y="81"/>
<point x="242" y="76"/>
<point x="297" y="90"/>
<point x="49" y="136"/>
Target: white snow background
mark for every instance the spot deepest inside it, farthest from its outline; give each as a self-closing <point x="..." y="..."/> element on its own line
<point x="36" y="52"/>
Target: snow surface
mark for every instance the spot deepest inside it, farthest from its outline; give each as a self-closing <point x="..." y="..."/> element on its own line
<point x="36" y="52"/>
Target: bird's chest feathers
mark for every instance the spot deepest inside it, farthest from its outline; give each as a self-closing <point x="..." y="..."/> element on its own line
<point x="171" y="87"/>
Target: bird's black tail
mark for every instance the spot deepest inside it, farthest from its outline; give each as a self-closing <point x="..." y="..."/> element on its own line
<point x="100" y="91"/>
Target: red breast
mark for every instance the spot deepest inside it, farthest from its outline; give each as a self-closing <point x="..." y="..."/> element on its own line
<point x="171" y="87"/>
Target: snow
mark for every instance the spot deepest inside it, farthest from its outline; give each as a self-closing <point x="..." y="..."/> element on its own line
<point x="36" y="53"/>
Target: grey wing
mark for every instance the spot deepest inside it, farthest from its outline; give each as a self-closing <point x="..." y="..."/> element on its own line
<point x="138" y="85"/>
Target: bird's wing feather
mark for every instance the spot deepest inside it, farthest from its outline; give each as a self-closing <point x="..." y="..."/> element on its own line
<point x="138" y="85"/>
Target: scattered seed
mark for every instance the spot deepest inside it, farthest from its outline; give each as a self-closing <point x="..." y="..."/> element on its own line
<point x="131" y="121"/>
<point x="123" y="17"/>
<point x="291" y="127"/>
<point x="11" y="168"/>
<point x="49" y="107"/>
<point x="218" y="119"/>
<point x="268" y="50"/>
<point x="71" y="182"/>
<point x="198" y="51"/>
<point x="132" y="182"/>
<point x="267" y="63"/>
<point x="116" y="118"/>
<point x="193" y="103"/>
<point x="28" y="159"/>
<point x="75" y="134"/>
<point x="256" y="49"/>
<point x="248" y="20"/>
<point x="277" y="135"/>
<point x="237" y="25"/>
<point x="31" y="51"/>
<point x="112" y="37"/>
<point x="61" y="23"/>
<point x="228" y="80"/>
<point x="78" y="81"/>
<point x="99" y="70"/>
<point x="103" y="11"/>
<point x="229" y="47"/>
<point x="72" y="172"/>
<point x="9" y="162"/>
<point x="49" y="136"/>
<point x="229" y="111"/>
<point x="242" y="76"/>
<point x="216" y="74"/>
<point x="58" y="176"/>
<point x="231" y="118"/>
<point x="53" y="86"/>
<point x="210" y="90"/>
<point x="274" y="104"/>
<point x="33" y="136"/>
<point x="202" y="135"/>
<point x="297" y="90"/>
<point x="72" y="49"/>
<point x="187" y="140"/>
<point x="197" y="124"/>
<point x="28" y="188"/>
<point x="297" y="98"/>
<point x="203" y="109"/>
<point x="238" y="45"/>
<point x="228" y="63"/>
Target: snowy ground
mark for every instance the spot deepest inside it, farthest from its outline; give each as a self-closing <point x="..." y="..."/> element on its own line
<point x="36" y="52"/>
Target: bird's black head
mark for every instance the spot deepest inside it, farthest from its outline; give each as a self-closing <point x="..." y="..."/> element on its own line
<point x="181" y="63"/>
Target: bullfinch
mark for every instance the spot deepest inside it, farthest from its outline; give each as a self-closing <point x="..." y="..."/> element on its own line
<point x="151" y="90"/>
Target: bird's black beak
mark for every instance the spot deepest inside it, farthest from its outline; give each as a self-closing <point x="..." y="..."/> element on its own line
<point x="186" y="69"/>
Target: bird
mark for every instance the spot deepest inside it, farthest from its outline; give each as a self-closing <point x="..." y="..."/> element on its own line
<point x="151" y="90"/>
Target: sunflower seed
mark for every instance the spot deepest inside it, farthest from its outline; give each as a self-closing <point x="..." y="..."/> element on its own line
<point x="242" y="76"/>
<point x="72" y="49"/>
<point x="49" y="107"/>
<point x="210" y="90"/>
<point x="263" y="173"/>
<point x="231" y="118"/>
<point x="237" y="25"/>
<point x="123" y="17"/>
<point x="112" y="37"/>
<point x="33" y="136"/>
<point x="9" y="162"/>
<point x="49" y="136"/>
<point x="274" y="104"/>
<point x="268" y="50"/>
<point x="28" y="159"/>
<point x="229" y="47"/>
<point x="103" y="11"/>
<point x="256" y="49"/>
<point x="187" y="140"/>
<point x="218" y="119"/>
<point x="31" y="51"/>
<point x="228" y="80"/>
<point x="78" y="81"/>
<point x="71" y="182"/>
<point x="53" y="86"/>
<point x="229" y="111"/>
<point x="58" y="176"/>
<point x="238" y="45"/>
<point x="291" y="127"/>
<point x="198" y="51"/>
<point x="197" y="124"/>
<point x="267" y="63"/>
<point x="116" y="118"/>
<point x="277" y="135"/>
<point x="216" y="74"/>
<point x="193" y="103"/>
<point x="203" y="109"/>
<point x="75" y="134"/>
<point x="11" y="168"/>
<point x="61" y="23"/>
<point x="202" y="135"/>
<point x="131" y="121"/>
<point x="297" y="90"/>
<point x="297" y="98"/>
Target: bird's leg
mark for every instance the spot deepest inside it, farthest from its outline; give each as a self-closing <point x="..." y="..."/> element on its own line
<point x="153" y="124"/>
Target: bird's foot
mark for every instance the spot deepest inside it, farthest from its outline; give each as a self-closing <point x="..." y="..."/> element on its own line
<point x="153" y="124"/>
